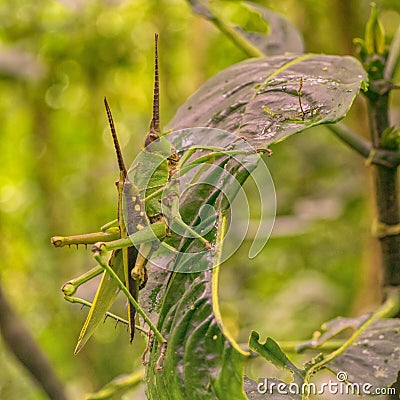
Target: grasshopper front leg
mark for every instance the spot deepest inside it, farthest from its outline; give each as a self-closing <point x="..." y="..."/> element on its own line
<point x="172" y="213"/>
<point x="109" y="232"/>
<point x="87" y="238"/>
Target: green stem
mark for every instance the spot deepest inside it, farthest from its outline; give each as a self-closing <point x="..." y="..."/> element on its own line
<point x="134" y="303"/>
<point x="222" y="224"/>
<point x="386" y="158"/>
<point x="238" y="39"/>
<point x="352" y="139"/>
<point x="291" y="346"/>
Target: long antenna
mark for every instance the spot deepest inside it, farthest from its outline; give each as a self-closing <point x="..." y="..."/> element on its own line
<point x="121" y="164"/>
<point x="155" y="121"/>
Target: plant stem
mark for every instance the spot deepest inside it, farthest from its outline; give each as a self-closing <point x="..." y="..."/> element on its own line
<point x="237" y="38"/>
<point x="386" y="158"/>
<point x="352" y="139"/>
<point x="386" y="193"/>
<point x="393" y="60"/>
<point x="328" y="346"/>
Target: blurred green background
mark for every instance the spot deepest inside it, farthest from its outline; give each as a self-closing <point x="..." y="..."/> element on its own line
<point x="57" y="61"/>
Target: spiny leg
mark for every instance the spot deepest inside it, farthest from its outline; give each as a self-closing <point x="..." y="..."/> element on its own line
<point x="160" y="338"/>
<point x="108" y="314"/>
<point x="85" y="239"/>
<point x="70" y="287"/>
<point x="105" y="295"/>
<point x="142" y="237"/>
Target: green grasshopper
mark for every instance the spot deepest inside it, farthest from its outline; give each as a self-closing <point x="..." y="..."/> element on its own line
<point x="126" y="264"/>
<point x="122" y="261"/>
<point x="148" y="204"/>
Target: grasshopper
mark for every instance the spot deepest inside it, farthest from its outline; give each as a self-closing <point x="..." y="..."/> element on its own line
<point x="148" y="205"/>
<point x="123" y="259"/>
<point x="127" y="263"/>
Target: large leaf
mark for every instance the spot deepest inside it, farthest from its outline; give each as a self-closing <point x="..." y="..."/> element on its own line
<point x="200" y="363"/>
<point x="202" y="360"/>
<point x="268" y="99"/>
<point x="374" y="357"/>
<point x="264" y="101"/>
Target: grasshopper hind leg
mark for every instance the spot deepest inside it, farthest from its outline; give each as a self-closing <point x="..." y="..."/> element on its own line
<point x="133" y="288"/>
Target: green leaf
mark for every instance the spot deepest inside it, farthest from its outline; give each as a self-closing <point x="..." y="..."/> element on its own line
<point x="201" y="362"/>
<point x="393" y="60"/>
<point x="271" y="351"/>
<point x="268" y="31"/>
<point x="374" y="33"/>
<point x="259" y="99"/>
<point x="374" y="357"/>
<point x="282" y="38"/>
<point x="390" y="139"/>
<point x="117" y="387"/>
